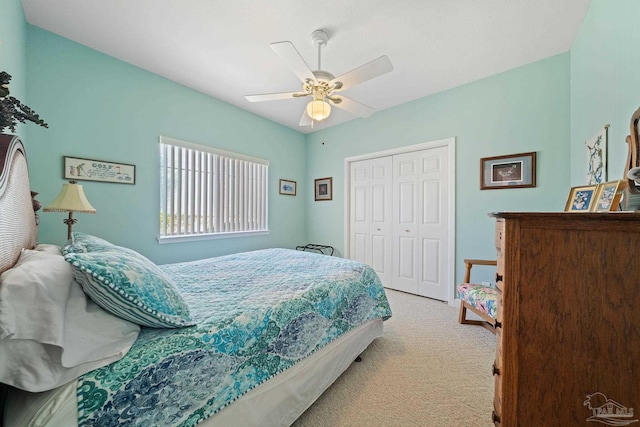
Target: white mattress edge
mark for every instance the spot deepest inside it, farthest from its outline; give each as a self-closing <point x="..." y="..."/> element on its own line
<point x="277" y="402"/>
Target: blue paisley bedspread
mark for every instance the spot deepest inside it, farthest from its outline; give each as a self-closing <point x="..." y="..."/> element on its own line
<point x="257" y="314"/>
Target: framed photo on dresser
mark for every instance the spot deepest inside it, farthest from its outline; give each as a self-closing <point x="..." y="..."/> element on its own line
<point x="581" y="199"/>
<point x="608" y="196"/>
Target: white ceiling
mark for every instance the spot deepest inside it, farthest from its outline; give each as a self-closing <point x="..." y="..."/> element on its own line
<point x="221" y="47"/>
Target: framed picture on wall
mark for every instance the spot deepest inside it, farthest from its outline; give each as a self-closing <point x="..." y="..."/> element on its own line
<point x="597" y="156"/>
<point x="581" y="199"/>
<point x="510" y="171"/>
<point x="76" y="168"/>
<point x="323" y="189"/>
<point x="287" y="187"/>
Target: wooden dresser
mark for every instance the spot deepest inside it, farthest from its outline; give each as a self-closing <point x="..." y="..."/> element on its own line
<point x="568" y="322"/>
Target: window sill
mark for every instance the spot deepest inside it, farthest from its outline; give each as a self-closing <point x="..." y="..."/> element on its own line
<point x="195" y="237"/>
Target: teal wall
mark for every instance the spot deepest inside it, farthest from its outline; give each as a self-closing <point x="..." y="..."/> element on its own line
<point x="101" y="108"/>
<point x="605" y="82"/>
<point x="525" y="109"/>
<point x="13" y="51"/>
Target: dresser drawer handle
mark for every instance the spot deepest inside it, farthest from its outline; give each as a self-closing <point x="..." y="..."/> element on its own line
<point x="498" y="277"/>
<point x="495" y="418"/>
<point x="494" y="369"/>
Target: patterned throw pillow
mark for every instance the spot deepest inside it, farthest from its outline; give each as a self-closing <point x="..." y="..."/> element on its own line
<point x="81" y="242"/>
<point x="129" y="285"/>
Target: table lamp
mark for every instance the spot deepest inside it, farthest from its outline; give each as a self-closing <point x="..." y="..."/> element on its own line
<point x="70" y="199"/>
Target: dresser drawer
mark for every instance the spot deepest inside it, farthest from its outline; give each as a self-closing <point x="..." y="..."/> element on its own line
<point x="499" y="309"/>
<point x="500" y="254"/>
<point x="496" y="370"/>
<point x="499" y="235"/>
<point x="497" y="402"/>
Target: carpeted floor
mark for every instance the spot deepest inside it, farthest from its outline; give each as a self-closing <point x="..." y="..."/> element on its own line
<point x="426" y="370"/>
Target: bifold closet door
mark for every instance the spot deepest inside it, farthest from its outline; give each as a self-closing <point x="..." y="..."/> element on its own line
<point x="421" y="222"/>
<point x="371" y="211"/>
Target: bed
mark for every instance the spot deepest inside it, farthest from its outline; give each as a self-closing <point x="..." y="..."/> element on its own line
<point x="244" y="339"/>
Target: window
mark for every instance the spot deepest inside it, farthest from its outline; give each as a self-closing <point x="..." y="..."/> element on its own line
<point x="208" y="193"/>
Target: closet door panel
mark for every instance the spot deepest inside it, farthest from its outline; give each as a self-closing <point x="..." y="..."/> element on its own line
<point x="405" y="223"/>
<point x="434" y="223"/>
<point x="360" y="214"/>
<point x="430" y="271"/>
<point x="359" y="247"/>
<point x="381" y="174"/>
<point x="378" y="255"/>
<point x="421" y="222"/>
<point x="371" y="213"/>
<point x="406" y="255"/>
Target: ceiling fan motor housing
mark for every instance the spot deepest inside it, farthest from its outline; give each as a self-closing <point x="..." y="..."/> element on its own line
<point x="319" y="37"/>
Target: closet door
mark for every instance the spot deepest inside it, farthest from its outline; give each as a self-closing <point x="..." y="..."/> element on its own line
<point x="360" y="225"/>
<point x="421" y="223"/>
<point x="371" y="223"/>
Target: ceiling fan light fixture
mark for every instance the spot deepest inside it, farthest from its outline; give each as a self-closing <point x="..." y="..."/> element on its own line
<point x="318" y="109"/>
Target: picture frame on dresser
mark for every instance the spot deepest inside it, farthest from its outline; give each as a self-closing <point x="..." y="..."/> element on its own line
<point x="581" y="199"/>
<point x="608" y="195"/>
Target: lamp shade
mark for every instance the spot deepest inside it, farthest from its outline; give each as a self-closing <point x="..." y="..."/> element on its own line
<point x="70" y="199"/>
<point x="318" y="109"/>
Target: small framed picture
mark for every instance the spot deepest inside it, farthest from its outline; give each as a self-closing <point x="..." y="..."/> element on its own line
<point x="287" y="187"/>
<point x="76" y="168"/>
<point x="608" y="195"/>
<point x="323" y="189"/>
<point x="581" y="199"/>
<point x="510" y="171"/>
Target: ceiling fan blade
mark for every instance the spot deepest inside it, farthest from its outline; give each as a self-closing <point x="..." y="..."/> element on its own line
<point x="289" y="54"/>
<point x="273" y="96"/>
<point x="368" y="71"/>
<point x="352" y="106"/>
<point x="305" y="120"/>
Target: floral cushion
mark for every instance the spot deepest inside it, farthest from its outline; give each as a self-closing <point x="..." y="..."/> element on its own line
<point x="482" y="298"/>
<point x="129" y="285"/>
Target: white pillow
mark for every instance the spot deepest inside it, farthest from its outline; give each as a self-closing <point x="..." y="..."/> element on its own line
<point x="50" y="331"/>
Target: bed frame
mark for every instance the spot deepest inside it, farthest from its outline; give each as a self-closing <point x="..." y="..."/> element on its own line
<point x="17" y="218"/>
<point x="279" y="401"/>
<point x="18" y="228"/>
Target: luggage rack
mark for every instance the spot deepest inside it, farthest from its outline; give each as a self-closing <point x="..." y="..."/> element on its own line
<point x="323" y="249"/>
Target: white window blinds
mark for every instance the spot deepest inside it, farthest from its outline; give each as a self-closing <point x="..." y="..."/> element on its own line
<point x="205" y="191"/>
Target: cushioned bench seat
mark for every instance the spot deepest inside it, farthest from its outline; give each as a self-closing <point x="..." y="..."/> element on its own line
<point x="480" y="299"/>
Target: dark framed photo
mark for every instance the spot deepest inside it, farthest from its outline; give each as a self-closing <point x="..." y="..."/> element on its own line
<point x="581" y="199"/>
<point x="98" y="170"/>
<point x="510" y="171"/>
<point x="323" y="189"/>
<point x="287" y="187"/>
<point x="608" y="195"/>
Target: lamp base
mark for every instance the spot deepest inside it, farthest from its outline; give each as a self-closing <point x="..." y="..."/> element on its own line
<point x="69" y="221"/>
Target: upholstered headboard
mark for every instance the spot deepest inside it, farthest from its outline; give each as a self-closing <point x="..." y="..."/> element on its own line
<point x="18" y="227"/>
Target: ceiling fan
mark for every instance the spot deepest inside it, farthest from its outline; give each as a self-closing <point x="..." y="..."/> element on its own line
<point x="322" y="85"/>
